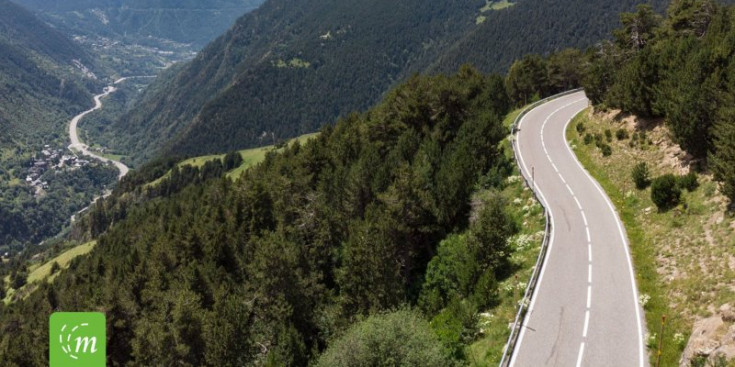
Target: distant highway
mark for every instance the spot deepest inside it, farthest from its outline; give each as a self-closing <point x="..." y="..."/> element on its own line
<point x="77" y="145"/>
<point x="585" y="309"/>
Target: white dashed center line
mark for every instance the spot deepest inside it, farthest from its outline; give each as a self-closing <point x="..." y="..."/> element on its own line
<point x="589" y="239"/>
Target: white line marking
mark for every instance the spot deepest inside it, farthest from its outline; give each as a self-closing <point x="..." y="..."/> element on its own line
<point x="75" y="328"/>
<point x="562" y="179"/>
<point x="578" y="204"/>
<point x="581" y="353"/>
<point x="63" y="328"/>
<point x="589" y="239"/>
<point x="621" y="231"/>
<point x="584" y="218"/>
<point x="589" y="252"/>
<point x="589" y="296"/>
<point x="586" y="323"/>
<point x="589" y="275"/>
<point x="85" y="324"/>
<point x="551" y="236"/>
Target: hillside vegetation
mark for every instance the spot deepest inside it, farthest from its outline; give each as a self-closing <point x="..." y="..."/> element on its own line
<point x="137" y="21"/>
<point x="286" y="69"/>
<point x="681" y="68"/>
<point x="222" y="273"/>
<point x="40" y="85"/>
<point x="45" y="78"/>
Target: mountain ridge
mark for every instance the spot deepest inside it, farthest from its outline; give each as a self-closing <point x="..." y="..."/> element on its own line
<point x="286" y="69"/>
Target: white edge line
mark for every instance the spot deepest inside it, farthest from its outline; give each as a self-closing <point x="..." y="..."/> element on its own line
<point x="621" y="231"/>
<point x="551" y="238"/>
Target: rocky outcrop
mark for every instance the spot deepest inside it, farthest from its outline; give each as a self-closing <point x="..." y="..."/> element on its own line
<point x="712" y="338"/>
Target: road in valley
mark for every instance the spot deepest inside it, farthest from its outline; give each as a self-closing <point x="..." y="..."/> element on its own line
<point x="585" y="309"/>
<point x="77" y="145"/>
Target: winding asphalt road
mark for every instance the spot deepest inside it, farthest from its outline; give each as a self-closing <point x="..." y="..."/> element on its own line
<point x="585" y="309"/>
<point x="77" y="145"/>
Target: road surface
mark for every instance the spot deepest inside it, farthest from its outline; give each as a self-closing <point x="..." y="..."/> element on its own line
<point x="77" y="145"/>
<point x="585" y="309"/>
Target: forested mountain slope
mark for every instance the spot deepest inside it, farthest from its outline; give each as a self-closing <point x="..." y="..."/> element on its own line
<point x="268" y="270"/>
<point x="536" y="26"/>
<point x="184" y="21"/>
<point x="287" y="68"/>
<point x="45" y="78"/>
<point x="682" y="68"/>
<point x="42" y="76"/>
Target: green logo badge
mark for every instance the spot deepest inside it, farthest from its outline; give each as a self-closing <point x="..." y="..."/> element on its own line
<point x="77" y="339"/>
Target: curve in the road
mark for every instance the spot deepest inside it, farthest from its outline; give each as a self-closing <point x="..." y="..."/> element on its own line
<point x="572" y="321"/>
<point x="77" y="145"/>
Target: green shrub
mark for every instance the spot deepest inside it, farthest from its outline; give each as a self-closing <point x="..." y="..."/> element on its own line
<point x="606" y="150"/>
<point x="401" y="338"/>
<point x="665" y="192"/>
<point x="455" y="326"/>
<point x="641" y="176"/>
<point x="588" y="138"/>
<point x="581" y="128"/>
<point x="599" y="140"/>
<point x="55" y="267"/>
<point x="608" y="135"/>
<point x="621" y="134"/>
<point x="689" y="182"/>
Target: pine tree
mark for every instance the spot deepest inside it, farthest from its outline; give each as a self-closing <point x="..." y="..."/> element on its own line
<point x="723" y="158"/>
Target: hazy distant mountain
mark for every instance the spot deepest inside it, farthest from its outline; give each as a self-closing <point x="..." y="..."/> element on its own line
<point x="287" y="68"/>
<point x="184" y="21"/>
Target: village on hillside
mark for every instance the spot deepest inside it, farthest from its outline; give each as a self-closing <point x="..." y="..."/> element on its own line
<point x="51" y="159"/>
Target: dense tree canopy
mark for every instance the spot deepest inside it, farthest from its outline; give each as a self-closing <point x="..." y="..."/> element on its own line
<point x="269" y="269"/>
<point x="678" y="67"/>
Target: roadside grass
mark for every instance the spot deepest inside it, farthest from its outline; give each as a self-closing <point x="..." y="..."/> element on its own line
<point x="114" y="157"/>
<point x="250" y="157"/>
<point x="40" y="273"/>
<point x="680" y="256"/>
<point x="509" y="118"/>
<point x="487" y="350"/>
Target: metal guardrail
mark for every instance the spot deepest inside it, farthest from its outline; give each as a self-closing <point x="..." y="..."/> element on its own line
<point x="525" y="301"/>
